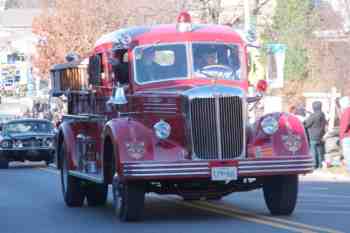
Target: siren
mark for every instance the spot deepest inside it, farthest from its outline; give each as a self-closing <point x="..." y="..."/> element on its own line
<point x="184" y="22"/>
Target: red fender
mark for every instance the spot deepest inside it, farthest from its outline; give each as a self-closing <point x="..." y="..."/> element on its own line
<point x="123" y="131"/>
<point x="289" y="125"/>
<point x="68" y="131"/>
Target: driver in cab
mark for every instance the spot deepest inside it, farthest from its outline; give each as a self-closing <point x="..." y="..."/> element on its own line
<point x="205" y="58"/>
<point x="222" y="60"/>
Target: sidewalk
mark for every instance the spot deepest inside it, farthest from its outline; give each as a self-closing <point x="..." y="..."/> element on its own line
<point x="331" y="174"/>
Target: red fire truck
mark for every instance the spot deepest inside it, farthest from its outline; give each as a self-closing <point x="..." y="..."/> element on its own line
<point x="164" y="109"/>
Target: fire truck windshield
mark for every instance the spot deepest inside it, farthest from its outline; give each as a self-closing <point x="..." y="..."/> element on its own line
<point x="156" y="63"/>
<point x="160" y="62"/>
<point x="210" y="54"/>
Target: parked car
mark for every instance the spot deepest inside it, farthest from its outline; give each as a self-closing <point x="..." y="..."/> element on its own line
<point x="26" y="139"/>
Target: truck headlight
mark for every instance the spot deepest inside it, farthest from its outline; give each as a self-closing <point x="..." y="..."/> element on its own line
<point x="269" y="125"/>
<point x="162" y="129"/>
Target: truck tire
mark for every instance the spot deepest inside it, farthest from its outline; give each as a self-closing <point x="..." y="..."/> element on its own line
<point x="96" y="194"/>
<point x="280" y="193"/>
<point x="72" y="190"/>
<point x="129" y="200"/>
<point x="4" y="163"/>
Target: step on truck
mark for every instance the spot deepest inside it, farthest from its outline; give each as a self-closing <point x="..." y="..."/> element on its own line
<point x="164" y="109"/>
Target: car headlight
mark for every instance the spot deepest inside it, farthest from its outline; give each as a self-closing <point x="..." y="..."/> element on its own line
<point x="19" y="144"/>
<point x="162" y="129"/>
<point x="269" y="125"/>
<point x="49" y="142"/>
<point x="6" y="144"/>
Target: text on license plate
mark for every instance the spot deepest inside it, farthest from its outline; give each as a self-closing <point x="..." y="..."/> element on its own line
<point x="223" y="173"/>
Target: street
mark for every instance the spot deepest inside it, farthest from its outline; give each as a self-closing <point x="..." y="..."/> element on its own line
<point x="31" y="201"/>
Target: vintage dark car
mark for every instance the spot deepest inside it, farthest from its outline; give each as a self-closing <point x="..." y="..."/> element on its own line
<point x="26" y="139"/>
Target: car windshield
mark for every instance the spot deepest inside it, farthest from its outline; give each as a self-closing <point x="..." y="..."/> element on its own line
<point x="28" y="127"/>
<point x="160" y="62"/>
<point x="206" y="55"/>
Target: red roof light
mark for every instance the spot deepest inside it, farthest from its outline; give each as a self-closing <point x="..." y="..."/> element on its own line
<point x="184" y="17"/>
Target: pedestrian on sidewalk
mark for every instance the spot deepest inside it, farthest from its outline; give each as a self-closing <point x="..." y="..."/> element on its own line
<point x="344" y="129"/>
<point x="315" y="125"/>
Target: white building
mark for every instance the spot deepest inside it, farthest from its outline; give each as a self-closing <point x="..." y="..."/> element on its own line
<point x="17" y="44"/>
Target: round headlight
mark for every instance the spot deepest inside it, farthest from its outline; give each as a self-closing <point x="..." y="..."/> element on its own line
<point x="49" y="142"/>
<point x="269" y="125"/>
<point x="6" y="144"/>
<point x="162" y="129"/>
<point x="18" y="144"/>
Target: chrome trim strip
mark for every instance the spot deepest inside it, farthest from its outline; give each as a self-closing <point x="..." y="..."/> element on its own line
<point x="164" y="165"/>
<point x="169" y="174"/>
<point x="253" y="172"/>
<point x="159" y="112"/>
<point x="218" y="126"/>
<point x="149" y="104"/>
<point x="27" y="148"/>
<point x="166" y="169"/>
<point x="94" y="178"/>
<point x="275" y="161"/>
<point x="159" y="108"/>
<point x="276" y="166"/>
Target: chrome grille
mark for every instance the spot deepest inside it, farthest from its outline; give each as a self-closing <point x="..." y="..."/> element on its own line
<point x="231" y="125"/>
<point x="32" y="143"/>
<point x="217" y="127"/>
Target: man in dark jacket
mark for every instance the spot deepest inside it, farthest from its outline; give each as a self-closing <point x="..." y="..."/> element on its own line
<point x="315" y="124"/>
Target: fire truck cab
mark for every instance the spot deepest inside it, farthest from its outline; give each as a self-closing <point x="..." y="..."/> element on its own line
<point x="164" y="109"/>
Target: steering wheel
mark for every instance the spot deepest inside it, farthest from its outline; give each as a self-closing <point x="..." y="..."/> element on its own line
<point x="217" y="71"/>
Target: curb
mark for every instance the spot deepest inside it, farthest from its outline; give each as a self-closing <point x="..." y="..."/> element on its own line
<point x="326" y="175"/>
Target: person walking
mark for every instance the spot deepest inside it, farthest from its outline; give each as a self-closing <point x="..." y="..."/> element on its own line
<point x="315" y="125"/>
<point x="344" y="129"/>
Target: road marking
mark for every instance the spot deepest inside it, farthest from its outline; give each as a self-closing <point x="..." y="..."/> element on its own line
<point x="323" y="195"/>
<point x="324" y="205"/>
<point x="234" y="214"/>
<point x="230" y="208"/>
<point x="324" y="211"/>
<point x="49" y="170"/>
<point x="318" y="189"/>
<point x="231" y="211"/>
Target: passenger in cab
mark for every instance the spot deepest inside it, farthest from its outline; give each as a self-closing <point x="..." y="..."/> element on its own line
<point x="148" y="68"/>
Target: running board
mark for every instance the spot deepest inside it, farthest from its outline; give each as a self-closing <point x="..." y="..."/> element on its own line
<point x="85" y="176"/>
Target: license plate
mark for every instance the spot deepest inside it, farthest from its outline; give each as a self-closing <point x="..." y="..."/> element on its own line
<point x="223" y="173"/>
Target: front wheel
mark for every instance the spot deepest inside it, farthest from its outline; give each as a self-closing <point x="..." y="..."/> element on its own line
<point x="96" y="194"/>
<point x="72" y="189"/>
<point x="129" y="200"/>
<point x="280" y="193"/>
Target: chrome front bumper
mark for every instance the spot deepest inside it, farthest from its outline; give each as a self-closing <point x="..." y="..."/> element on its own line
<point x="202" y="169"/>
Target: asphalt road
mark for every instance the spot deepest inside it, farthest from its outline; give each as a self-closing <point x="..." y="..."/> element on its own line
<point x="31" y="202"/>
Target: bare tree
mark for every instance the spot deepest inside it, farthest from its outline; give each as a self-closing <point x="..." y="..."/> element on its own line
<point x="75" y="25"/>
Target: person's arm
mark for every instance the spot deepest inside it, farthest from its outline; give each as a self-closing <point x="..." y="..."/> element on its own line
<point x="308" y="122"/>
